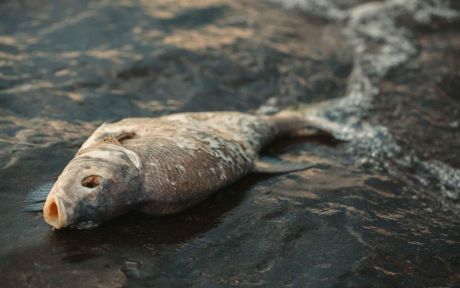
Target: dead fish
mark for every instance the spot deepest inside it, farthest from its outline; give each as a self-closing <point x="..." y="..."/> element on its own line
<point x="164" y="165"/>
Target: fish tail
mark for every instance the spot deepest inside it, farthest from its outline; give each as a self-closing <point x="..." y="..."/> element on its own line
<point x="298" y="119"/>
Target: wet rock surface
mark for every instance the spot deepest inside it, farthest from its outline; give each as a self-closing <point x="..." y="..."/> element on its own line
<point x="385" y="211"/>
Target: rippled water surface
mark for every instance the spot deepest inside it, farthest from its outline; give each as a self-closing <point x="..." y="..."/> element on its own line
<point x="383" y="211"/>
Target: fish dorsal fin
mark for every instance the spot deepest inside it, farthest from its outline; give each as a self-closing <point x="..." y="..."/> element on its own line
<point x="111" y="140"/>
<point x="276" y="166"/>
<point x="118" y="139"/>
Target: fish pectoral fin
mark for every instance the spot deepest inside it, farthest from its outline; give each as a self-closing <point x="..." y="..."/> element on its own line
<point x="36" y="199"/>
<point x="275" y="166"/>
<point x="34" y="207"/>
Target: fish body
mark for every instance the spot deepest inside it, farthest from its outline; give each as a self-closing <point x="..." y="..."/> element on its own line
<point x="160" y="165"/>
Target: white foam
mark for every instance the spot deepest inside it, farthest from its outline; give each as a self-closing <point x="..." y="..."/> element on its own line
<point x="379" y="45"/>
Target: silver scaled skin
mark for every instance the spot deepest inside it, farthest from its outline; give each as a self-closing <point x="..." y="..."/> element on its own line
<point x="159" y="165"/>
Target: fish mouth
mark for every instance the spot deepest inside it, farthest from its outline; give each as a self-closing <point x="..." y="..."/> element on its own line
<point x="53" y="212"/>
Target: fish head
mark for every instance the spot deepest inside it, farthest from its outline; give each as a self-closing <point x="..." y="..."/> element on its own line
<point x="101" y="182"/>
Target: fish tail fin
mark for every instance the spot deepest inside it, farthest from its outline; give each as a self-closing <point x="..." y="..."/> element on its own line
<point x="300" y="120"/>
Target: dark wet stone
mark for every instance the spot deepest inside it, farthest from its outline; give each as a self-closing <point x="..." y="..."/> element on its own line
<point x="356" y="220"/>
<point x="131" y="269"/>
<point x="77" y="258"/>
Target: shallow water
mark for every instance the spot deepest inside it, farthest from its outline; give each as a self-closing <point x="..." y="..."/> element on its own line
<point x="383" y="209"/>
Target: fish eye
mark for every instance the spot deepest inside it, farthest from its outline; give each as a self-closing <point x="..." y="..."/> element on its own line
<point x="91" y="181"/>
